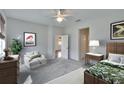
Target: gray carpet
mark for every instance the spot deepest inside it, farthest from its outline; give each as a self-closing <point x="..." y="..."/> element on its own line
<point x="53" y="69"/>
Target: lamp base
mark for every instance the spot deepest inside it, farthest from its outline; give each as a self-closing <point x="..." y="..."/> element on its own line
<point x="7" y="55"/>
<point x="93" y="49"/>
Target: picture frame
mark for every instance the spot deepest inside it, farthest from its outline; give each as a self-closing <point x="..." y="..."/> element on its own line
<point x="117" y="30"/>
<point x="29" y="39"/>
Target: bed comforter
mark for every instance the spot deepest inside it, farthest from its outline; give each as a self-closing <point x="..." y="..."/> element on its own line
<point x="112" y="73"/>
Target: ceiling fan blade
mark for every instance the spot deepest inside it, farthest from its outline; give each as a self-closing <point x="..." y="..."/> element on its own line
<point x="55" y="16"/>
<point x="65" y="15"/>
<point x="61" y="13"/>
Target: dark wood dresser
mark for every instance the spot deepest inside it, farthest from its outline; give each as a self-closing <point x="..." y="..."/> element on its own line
<point x="9" y="71"/>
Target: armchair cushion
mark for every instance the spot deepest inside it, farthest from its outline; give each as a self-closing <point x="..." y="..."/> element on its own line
<point x="32" y="55"/>
<point x="34" y="58"/>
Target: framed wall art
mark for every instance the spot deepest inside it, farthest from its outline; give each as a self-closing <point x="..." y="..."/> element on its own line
<point x="29" y="39"/>
<point x="117" y="30"/>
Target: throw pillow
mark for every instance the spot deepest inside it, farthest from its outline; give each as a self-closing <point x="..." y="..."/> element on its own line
<point x="114" y="57"/>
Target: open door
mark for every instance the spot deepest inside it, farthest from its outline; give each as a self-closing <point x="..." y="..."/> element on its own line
<point x="64" y="46"/>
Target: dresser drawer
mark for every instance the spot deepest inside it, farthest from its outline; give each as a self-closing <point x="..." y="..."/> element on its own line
<point x="8" y="65"/>
<point x="8" y="71"/>
<point x="9" y="80"/>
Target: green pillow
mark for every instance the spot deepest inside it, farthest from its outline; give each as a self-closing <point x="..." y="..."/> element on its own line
<point x="34" y="56"/>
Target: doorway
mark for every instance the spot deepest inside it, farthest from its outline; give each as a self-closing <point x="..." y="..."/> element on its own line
<point x="61" y="47"/>
<point x="83" y="42"/>
<point x="58" y="43"/>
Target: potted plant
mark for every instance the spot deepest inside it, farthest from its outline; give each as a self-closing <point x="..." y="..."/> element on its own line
<point x="16" y="46"/>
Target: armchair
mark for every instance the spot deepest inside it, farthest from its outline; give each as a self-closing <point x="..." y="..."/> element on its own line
<point x="34" y="59"/>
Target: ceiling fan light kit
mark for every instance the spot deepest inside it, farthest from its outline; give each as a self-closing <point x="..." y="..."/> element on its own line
<point x="59" y="19"/>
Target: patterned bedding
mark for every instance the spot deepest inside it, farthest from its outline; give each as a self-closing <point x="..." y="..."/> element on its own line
<point x="112" y="73"/>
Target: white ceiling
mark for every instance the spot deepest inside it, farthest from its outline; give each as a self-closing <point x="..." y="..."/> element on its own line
<point x="45" y="16"/>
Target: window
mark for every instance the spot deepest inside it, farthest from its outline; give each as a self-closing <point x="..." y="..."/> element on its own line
<point x="2" y="47"/>
<point x="2" y="36"/>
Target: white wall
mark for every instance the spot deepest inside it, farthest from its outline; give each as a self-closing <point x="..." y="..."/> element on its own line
<point x="44" y="34"/>
<point x="16" y="28"/>
<point x="53" y="31"/>
<point x="99" y="29"/>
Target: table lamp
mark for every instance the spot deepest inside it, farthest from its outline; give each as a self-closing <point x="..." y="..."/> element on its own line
<point x="94" y="44"/>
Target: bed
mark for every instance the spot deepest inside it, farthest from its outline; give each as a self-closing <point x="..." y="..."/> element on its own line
<point x="105" y="72"/>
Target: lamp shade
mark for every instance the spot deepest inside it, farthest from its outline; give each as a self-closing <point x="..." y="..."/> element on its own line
<point x="94" y="43"/>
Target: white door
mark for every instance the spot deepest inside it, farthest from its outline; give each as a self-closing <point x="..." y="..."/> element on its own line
<point x="64" y="46"/>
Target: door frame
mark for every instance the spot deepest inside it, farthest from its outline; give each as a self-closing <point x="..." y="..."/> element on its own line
<point x="80" y="39"/>
<point x="59" y="48"/>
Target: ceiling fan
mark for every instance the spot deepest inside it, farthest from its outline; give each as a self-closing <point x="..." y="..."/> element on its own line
<point x="60" y="15"/>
